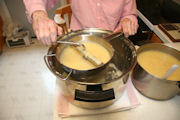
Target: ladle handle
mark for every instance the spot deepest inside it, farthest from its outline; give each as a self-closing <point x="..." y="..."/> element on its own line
<point x="111" y="36"/>
<point x="70" y="43"/>
<point x="170" y="71"/>
<point x="89" y="57"/>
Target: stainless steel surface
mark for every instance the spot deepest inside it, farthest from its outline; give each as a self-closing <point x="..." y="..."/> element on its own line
<point x="46" y="61"/>
<point x="71" y="43"/>
<point x="83" y="37"/>
<point x="151" y="86"/>
<point x="110" y="36"/>
<point x="107" y="87"/>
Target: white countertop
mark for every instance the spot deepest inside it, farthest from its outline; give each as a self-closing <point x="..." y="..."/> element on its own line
<point x="27" y="91"/>
<point x="148" y="110"/>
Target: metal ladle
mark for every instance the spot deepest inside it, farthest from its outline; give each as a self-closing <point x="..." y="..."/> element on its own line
<point x="82" y="49"/>
<point x="170" y="71"/>
<point x="72" y="43"/>
<point x="112" y="35"/>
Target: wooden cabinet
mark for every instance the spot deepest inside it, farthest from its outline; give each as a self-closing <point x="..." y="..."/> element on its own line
<point x="1" y="35"/>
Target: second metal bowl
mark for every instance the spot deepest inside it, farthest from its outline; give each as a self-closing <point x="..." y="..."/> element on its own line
<point x="89" y="73"/>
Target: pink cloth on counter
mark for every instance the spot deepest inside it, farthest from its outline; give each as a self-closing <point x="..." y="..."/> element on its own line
<point x="105" y="14"/>
<point x="127" y="101"/>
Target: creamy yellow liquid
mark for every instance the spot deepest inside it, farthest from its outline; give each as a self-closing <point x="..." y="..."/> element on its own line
<point x="158" y="63"/>
<point x="72" y="58"/>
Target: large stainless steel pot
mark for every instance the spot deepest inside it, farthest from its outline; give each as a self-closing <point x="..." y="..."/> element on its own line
<point x="89" y="73"/>
<point x="151" y="86"/>
<point x="105" y="89"/>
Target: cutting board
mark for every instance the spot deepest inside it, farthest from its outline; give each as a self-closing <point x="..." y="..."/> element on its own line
<point x="172" y="30"/>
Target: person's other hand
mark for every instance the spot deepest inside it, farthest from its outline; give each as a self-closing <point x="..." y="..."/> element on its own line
<point x="46" y="30"/>
<point x="127" y="26"/>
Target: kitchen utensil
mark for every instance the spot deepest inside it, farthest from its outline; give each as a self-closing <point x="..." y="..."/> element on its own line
<point x="72" y="43"/>
<point x="148" y="84"/>
<point x="82" y="50"/>
<point x="170" y="71"/>
<point x="104" y="89"/>
<point x="113" y="34"/>
<point x="90" y="73"/>
<point x="89" y="57"/>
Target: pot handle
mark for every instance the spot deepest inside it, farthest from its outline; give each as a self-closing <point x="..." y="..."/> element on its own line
<point x="96" y="95"/>
<point x="46" y="61"/>
<point x="47" y="64"/>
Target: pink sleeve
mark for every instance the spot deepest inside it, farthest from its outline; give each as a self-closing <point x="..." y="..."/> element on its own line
<point x="34" y="5"/>
<point x="130" y="10"/>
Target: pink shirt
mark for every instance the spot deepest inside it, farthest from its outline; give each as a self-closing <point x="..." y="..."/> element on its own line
<point x="105" y="14"/>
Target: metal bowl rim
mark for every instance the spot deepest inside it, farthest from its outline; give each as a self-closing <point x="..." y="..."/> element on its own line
<point x="155" y="44"/>
<point x="133" y="63"/>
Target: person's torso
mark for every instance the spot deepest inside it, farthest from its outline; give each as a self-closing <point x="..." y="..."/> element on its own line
<point x="96" y="13"/>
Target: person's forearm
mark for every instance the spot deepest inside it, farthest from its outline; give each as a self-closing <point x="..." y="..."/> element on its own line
<point x="44" y="28"/>
<point x="36" y="5"/>
<point x="128" y="21"/>
<point x="38" y="13"/>
<point x="130" y="10"/>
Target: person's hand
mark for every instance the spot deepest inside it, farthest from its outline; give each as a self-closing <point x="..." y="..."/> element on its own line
<point x="127" y="26"/>
<point x="46" y="30"/>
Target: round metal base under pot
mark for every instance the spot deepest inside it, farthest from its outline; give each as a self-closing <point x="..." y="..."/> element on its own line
<point x="151" y="86"/>
<point x="108" y="86"/>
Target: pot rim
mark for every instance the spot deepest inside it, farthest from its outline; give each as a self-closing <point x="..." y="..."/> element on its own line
<point x="143" y="48"/>
<point x="112" y="49"/>
<point x="88" y="30"/>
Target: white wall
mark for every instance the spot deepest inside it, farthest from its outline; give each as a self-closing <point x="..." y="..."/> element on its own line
<point x="17" y="11"/>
